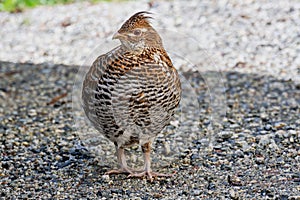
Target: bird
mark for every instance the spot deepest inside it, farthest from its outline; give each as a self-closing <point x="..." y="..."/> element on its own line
<point x="130" y="93"/>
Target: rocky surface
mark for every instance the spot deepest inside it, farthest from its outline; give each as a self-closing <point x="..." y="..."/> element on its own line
<point x="254" y="155"/>
<point x="236" y="134"/>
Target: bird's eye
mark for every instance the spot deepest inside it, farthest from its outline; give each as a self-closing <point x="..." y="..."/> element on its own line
<point x="137" y="32"/>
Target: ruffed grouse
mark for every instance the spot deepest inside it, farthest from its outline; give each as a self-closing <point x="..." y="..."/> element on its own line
<point x="130" y="93"/>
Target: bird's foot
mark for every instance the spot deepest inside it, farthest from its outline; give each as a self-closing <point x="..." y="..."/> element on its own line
<point x="123" y="170"/>
<point x="149" y="174"/>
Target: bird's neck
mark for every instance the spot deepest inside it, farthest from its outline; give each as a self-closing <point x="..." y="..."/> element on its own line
<point x="141" y="50"/>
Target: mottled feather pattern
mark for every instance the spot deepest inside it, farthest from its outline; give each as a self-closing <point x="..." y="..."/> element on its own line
<point x="130" y="93"/>
<point x="133" y="94"/>
<point x="137" y="20"/>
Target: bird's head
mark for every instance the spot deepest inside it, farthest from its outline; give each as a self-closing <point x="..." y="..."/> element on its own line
<point x="137" y="34"/>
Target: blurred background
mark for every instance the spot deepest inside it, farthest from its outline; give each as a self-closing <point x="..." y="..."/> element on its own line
<point x="251" y="36"/>
<point x="236" y="134"/>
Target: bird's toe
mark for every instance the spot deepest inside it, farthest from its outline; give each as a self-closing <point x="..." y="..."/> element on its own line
<point x="151" y="175"/>
<point x="119" y="171"/>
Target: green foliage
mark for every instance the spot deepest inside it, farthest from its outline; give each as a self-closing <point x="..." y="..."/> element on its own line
<point x="19" y="5"/>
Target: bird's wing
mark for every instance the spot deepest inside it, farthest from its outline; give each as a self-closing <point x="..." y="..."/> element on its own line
<point x="97" y="92"/>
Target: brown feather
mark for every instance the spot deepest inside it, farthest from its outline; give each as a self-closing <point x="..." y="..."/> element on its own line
<point x="138" y="20"/>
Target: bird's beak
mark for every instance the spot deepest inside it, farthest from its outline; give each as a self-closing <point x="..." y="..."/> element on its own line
<point x="117" y="35"/>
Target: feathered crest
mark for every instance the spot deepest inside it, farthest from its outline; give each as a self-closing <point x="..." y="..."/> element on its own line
<point x="137" y="20"/>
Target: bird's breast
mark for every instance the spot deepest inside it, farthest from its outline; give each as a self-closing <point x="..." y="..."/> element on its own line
<point x="126" y="96"/>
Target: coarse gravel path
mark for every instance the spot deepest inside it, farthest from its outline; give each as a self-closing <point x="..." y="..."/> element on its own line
<point x="236" y="134"/>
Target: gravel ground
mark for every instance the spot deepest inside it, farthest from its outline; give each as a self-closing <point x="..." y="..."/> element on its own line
<point x="256" y="155"/>
<point x="236" y="134"/>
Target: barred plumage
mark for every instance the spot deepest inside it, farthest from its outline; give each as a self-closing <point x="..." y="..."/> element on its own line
<point x="130" y="93"/>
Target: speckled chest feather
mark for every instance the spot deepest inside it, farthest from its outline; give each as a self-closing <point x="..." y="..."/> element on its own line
<point x="129" y="97"/>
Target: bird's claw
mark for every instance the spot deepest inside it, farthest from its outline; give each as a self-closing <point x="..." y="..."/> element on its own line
<point x="150" y="175"/>
<point x="119" y="171"/>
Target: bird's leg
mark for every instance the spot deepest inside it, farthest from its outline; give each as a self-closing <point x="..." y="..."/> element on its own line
<point x="124" y="169"/>
<point x="146" y="148"/>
